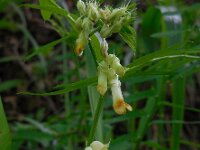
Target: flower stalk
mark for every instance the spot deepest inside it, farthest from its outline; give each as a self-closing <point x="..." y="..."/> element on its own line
<point x="96" y="119"/>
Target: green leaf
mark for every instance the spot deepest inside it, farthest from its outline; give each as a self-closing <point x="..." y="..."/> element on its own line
<point x="5" y="141"/>
<point x="53" y="10"/>
<point x="168" y="33"/>
<point x="178" y="94"/>
<point x="33" y="135"/>
<point x="151" y="23"/>
<point x="45" y="13"/>
<point x="95" y="47"/>
<point x="5" y="137"/>
<point x="45" y="47"/>
<point x="66" y="88"/>
<point x="5" y="24"/>
<point x="40" y="126"/>
<point x="6" y="85"/>
<point x="128" y="34"/>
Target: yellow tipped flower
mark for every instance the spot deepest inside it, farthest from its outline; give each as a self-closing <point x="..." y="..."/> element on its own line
<point x="96" y="145"/>
<point x="102" y="78"/>
<point x="119" y="105"/>
<point x="80" y="43"/>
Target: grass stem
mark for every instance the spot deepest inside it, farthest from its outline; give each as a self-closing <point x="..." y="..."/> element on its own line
<point x="96" y="119"/>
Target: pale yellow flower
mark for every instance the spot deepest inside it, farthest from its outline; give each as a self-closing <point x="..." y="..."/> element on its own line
<point x="119" y="105"/>
<point x="102" y="78"/>
<point x="80" y="43"/>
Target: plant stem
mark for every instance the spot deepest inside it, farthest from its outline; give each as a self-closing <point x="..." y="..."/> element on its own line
<point x="96" y="119"/>
<point x="66" y="96"/>
<point x="93" y="54"/>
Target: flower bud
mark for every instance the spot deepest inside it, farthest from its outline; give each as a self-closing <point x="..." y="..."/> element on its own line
<point x="128" y="18"/>
<point x="104" y="47"/>
<point x="118" y="12"/>
<point x="80" y="43"/>
<point x="102" y="78"/>
<point x="117" y="25"/>
<point x="88" y="148"/>
<point x="105" y="31"/>
<point x="81" y="7"/>
<point x="93" y="13"/>
<point x="120" y="70"/>
<point x="105" y="13"/>
<point x="78" y="23"/>
<point x="96" y="145"/>
<point x="102" y="83"/>
<point x="114" y="62"/>
<point x="119" y="104"/>
<point x="87" y="25"/>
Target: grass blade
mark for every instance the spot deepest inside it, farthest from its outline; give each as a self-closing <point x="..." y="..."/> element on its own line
<point x="5" y="137"/>
<point x="178" y="94"/>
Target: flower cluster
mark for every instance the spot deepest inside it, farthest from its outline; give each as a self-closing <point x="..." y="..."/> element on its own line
<point x="113" y="20"/>
<point x="109" y="71"/>
<point x="96" y="145"/>
<point x="88" y="17"/>
<point x="106" y="21"/>
<point x="109" y="20"/>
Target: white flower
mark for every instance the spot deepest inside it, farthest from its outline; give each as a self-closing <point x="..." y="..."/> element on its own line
<point x="102" y="78"/>
<point x="96" y="145"/>
<point x="119" y="104"/>
<point x="80" y="43"/>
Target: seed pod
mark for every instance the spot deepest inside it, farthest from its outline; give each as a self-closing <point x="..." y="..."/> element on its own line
<point x="81" y="7"/>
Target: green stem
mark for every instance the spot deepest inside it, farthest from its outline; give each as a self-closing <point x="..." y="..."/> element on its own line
<point x="93" y="53"/>
<point x="94" y="31"/>
<point x="96" y="119"/>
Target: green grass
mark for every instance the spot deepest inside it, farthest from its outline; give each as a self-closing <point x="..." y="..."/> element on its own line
<point x="5" y="135"/>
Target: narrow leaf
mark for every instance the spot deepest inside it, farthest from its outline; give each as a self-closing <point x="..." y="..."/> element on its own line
<point x="128" y="34"/>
